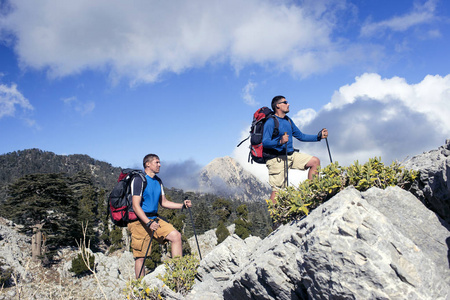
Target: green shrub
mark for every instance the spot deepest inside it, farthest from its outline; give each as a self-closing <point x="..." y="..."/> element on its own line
<point x="179" y="277"/>
<point x="154" y="256"/>
<point x="116" y="239"/>
<point x="79" y="267"/>
<point x="295" y="202"/>
<point x="221" y="232"/>
<point x="180" y="273"/>
<point x="242" y="228"/>
<point x="137" y="290"/>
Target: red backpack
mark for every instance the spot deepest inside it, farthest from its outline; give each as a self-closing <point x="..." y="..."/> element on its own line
<point x="256" y="135"/>
<point x="120" y="203"/>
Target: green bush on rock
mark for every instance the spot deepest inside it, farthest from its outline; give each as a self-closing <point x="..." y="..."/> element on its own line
<point x="79" y="266"/>
<point x="179" y="277"/>
<point x="180" y="273"/>
<point x="137" y="289"/>
<point x="295" y="202"/>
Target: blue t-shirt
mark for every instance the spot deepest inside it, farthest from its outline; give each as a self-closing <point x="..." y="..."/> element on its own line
<point x="284" y="126"/>
<point x="151" y="195"/>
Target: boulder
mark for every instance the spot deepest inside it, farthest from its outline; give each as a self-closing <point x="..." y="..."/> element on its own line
<point x="207" y="241"/>
<point x="218" y="267"/>
<point x="15" y="250"/>
<point x="433" y="187"/>
<point x="368" y="245"/>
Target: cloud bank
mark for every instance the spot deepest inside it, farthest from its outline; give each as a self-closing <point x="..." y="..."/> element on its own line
<point x="144" y="41"/>
<point x="182" y="175"/>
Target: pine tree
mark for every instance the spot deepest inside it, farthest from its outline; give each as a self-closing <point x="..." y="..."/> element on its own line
<point x="85" y="194"/>
<point x="221" y="232"/>
<point x="222" y="208"/>
<point x="116" y="239"/>
<point x="202" y="218"/>
<point x="242" y="223"/>
<point x="47" y="200"/>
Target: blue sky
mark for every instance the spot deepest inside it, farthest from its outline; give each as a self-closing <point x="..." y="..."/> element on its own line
<point x="182" y="79"/>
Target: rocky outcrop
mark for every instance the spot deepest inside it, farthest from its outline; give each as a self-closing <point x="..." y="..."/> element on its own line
<point x="433" y="187"/>
<point x="380" y="244"/>
<point x="206" y="241"/>
<point x="219" y="267"/>
<point x="15" y="249"/>
<point x="225" y="177"/>
<point x="36" y="282"/>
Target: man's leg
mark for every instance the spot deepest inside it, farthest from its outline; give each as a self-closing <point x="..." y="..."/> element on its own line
<point x="138" y="234"/>
<point x="272" y="196"/>
<point x="177" y="247"/>
<point x="277" y="172"/>
<point x="312" y="165"/>
<point x="138" y="266"/>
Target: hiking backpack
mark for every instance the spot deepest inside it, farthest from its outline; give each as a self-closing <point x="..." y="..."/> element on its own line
<point x="256" y="135"/>
<point x="120" y="203"/>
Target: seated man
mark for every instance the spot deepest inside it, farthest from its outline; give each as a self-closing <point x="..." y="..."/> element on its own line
<point x="277" y="146"/>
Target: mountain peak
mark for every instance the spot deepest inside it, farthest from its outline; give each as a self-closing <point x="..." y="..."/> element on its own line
<point x="226" y="177"/>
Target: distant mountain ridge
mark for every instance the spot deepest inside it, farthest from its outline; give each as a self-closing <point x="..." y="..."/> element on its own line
<point x="226" y="177"/>
<point x="17" y="164"/>
<point x="223" y="176"/>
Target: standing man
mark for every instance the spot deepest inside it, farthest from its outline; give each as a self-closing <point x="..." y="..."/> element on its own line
<point x="275" y="146"/>
<point x="145" y="206"/>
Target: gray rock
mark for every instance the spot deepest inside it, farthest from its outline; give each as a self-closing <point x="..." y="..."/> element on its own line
<point x="421" y="226"/>
<point x="433" y="187"/>
<point x="206" y="241"/>
<point x="220" y="265"/>
<point x="227" y="258"/>
<point x="349" y="249"/>
<point x="15" y="250"/>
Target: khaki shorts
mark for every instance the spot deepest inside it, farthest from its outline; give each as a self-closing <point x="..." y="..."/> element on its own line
<point x="276" y="167"/>
<point x="140" y="237"/>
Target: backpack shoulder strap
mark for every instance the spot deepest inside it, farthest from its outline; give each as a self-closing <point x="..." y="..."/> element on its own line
<point x="144" y="180"/>
<point x="290" y="121"/>
<point x="159" y="179"/>
<point x="276" y="123"/>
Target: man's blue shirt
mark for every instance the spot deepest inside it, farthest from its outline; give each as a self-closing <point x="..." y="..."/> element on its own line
<point x="291" y="130"/>
<point x="151" y="195"/>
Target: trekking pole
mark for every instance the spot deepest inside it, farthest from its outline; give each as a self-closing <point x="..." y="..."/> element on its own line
<point x="195" y="234"/>
<point x="328" y="147"/>
<point x="286" y="168"/>
<point x="146" y="252"/>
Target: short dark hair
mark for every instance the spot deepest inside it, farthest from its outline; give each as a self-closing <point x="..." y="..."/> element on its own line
<point x="148" y="158"/>
<point x="275" y="101"/>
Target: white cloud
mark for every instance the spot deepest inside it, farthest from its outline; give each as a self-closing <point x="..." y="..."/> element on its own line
<point x="83" y="108"/>
<point x="420" y="14"/>
<point x="247" y="91"/>
<point x="145" y="40"/>
<point x="11" y="99"/>
<point x="430" y="97"/>
<point x="390" y="118"/>
<point x="304" y="117"/>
